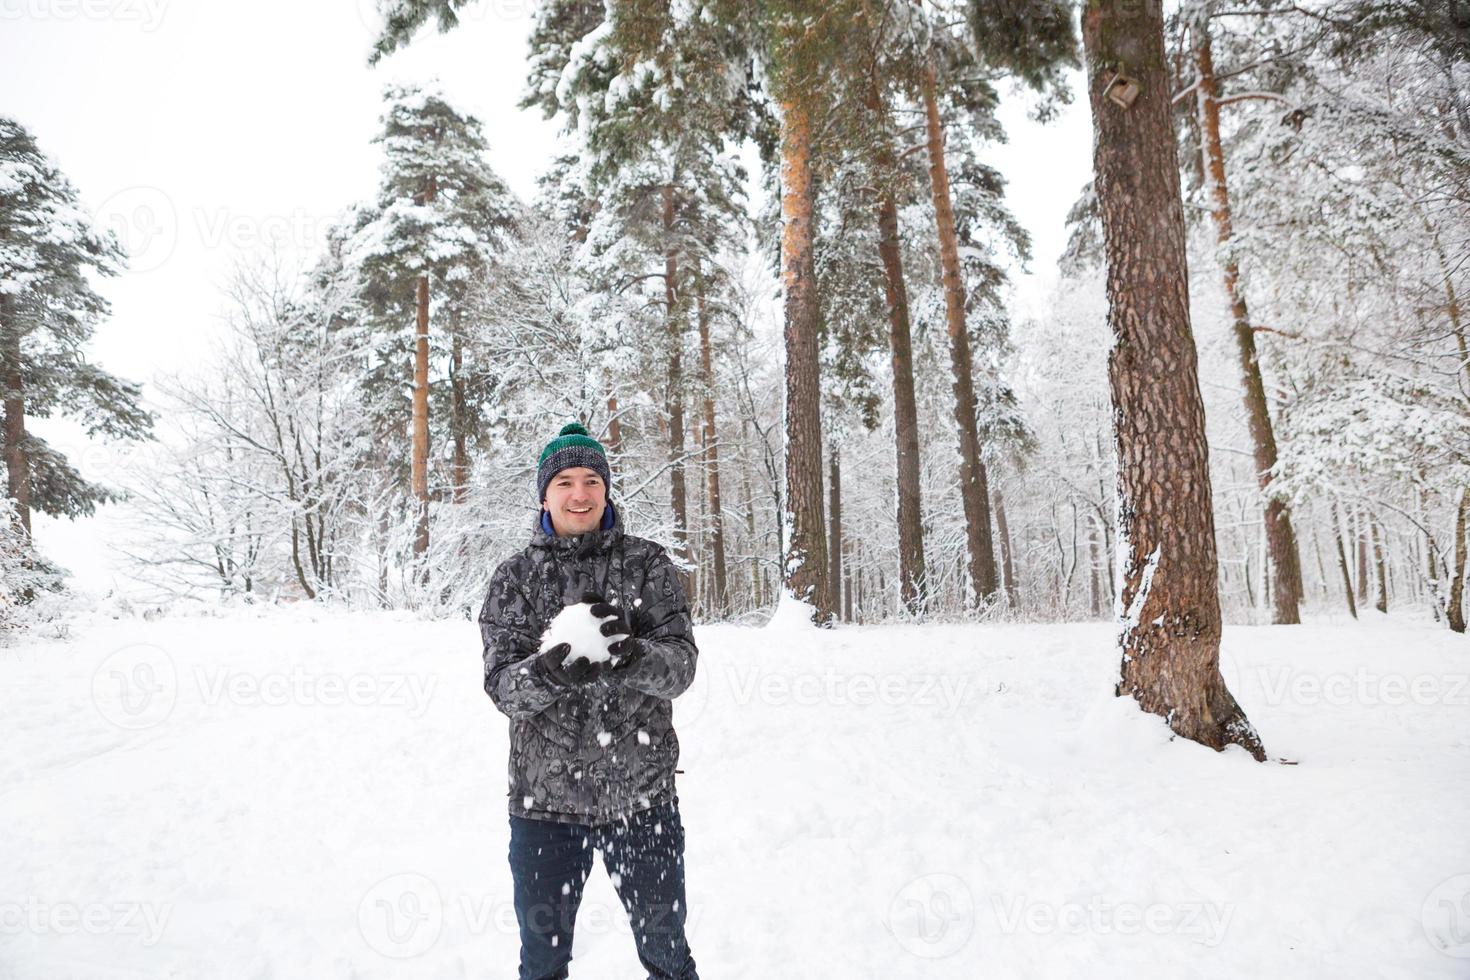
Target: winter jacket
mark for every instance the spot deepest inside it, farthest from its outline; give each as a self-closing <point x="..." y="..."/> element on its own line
<point x="594" y="753"/>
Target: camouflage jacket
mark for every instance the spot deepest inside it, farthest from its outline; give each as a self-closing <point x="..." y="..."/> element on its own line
<point x="606" y="750"/>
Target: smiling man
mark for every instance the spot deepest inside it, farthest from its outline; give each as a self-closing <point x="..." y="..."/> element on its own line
<point x="592" y="743"/>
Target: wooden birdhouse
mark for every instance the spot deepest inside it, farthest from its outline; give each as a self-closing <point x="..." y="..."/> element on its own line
<point x="1121" y="90"/>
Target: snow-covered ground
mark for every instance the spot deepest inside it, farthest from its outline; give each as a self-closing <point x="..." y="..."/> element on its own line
<point x="303" y="794"/>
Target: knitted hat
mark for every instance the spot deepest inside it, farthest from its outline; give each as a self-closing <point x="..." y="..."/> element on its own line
<point x="571" y="447"/>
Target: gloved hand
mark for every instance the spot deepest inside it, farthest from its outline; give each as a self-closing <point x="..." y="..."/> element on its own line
<point x="624" y="650"/>
<point x="580" y="672"/>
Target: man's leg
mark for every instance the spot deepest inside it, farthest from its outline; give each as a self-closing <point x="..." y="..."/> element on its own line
<point x="549" y="863"/>
<point x="644" y="856"/>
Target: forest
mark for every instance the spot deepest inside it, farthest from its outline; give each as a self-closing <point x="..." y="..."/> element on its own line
<point x="771" y="270"/>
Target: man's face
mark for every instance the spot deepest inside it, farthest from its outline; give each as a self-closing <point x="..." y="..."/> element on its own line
<point x="576" y="498"/>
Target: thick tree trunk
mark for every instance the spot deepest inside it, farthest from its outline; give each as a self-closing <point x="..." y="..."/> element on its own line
<point x="674" y="323"/>
<point x="1170" y="634"/>
<point x="1455" y="608"/>
<point x="973" y="490"/>
<point x="1007" y="565"/>
<point x="17" y="465"/>
<point x="719" y="601"/>
<point x="1286" y="590"/>
<point x="834" y="537"/>
<point x="460" y="422"/>
<point x="805" y="566"/>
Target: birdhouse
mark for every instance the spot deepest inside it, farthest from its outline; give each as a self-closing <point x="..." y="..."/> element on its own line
<point x="1121" y="90"/>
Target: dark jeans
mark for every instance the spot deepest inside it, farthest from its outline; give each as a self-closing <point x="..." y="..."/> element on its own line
<point x="644" y="856"/>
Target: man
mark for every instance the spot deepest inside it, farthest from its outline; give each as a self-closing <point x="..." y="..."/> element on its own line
<point x="592" y="743"/>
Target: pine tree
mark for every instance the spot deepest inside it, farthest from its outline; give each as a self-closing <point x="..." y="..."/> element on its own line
<point x="650" y="96"/>
<point x="440" y="216"/>
<point x="1280" y="537"/>
<point x="48" y="312"/>
<point x="1168" y="595"/>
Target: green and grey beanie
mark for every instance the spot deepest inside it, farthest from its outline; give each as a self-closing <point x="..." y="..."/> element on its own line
<point x="572" y="447"/>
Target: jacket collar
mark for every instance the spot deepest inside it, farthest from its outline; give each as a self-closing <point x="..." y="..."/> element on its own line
<point x="603" y="539"/>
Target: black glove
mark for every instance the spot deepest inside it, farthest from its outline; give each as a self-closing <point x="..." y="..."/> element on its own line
<point x="581" y="671"/>
<point x="623" y="651"/>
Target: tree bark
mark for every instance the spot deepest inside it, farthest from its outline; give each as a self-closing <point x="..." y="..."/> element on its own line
<point x="419" y="464"/>
<point x="1342" y="561"/>
<point x="973" y="490"/>
<point x="1170" y="635"/>
<point x="1007" y="565"/>
<point x="911" y="570"/>
<point x="614" y="427"/>
<point x="17" y="464"/>
<point x="1379" y="565"/>
<point x="674" y="323"/>
<point x="719" y="601"/>
<point x="805" y="566"/>
<point x="913" y="586"/>
<point x="1362" y="546"/>
<point x="460" y="422"/>
<point x="1281" y="543"/>
<point x="834" y="538"/>
<point x="1455" y="608"/>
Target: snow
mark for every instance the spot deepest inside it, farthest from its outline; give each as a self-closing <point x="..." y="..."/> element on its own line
<point x="317" y="794"/>
<point x="575" y="625"/>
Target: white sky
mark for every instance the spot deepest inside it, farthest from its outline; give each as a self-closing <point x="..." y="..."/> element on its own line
<point x="203" y="129"/>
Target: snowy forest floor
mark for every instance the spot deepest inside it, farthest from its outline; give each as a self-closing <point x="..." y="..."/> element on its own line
<point x="303" y="793"/>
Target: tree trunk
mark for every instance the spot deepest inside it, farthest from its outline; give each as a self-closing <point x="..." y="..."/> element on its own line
<point x="17" y="465"/>
<point x="805" y="565"/>
<point x="1280" y="538"/>
<point x="674" y="323"/>
<point x="460" y="422"/>
<point x="419" y="476"/>
<point x="1007" y="566"/>
<point x="973" y="490"/>
<point x="614" y="427"/>
<point x="384" y="515"/>
<point x="1170" y="636"/>
<point x="719" y="601"/>
<point x="834" y="538"/>
<point x="1094" y="569"/>
<point x="1342" y="560"/>
<point x="753" y="548"/>
<point x="1379" y="565"/>
<point x="1455" y="608"/>
<point x="419" y="465"/>
<point x="912" y="585"/>
<point x="1362" y="546"/>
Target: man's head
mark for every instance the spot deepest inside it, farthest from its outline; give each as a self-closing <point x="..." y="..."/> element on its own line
<point x="572" y="481"/>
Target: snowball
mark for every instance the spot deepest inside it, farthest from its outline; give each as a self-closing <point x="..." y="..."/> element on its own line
<point x="575" y="625"/>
